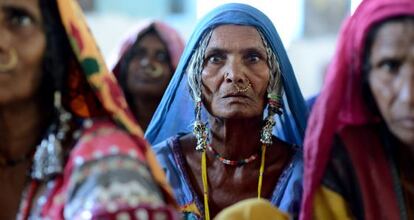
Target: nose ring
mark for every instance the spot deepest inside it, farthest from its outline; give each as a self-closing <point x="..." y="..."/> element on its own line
<point x="11" y="63"/>
<point x="243" y="90"/>
<point x="155" y="70"/>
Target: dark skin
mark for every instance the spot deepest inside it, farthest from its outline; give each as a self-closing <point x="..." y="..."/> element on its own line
<point x="20" y="141"/>
<point x="391" y="81"/>
<point x="22" y="119"/>
<point x="230" y="184"/>
<point x="235" y="120"/>
<point x="149" y="73"/>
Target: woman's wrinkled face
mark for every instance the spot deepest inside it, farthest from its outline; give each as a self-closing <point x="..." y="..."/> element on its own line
<point x="149" y="71"/>
<point x="392" y="77"/>
<point x="235" y="74"/>
<point x="22" y="46"/>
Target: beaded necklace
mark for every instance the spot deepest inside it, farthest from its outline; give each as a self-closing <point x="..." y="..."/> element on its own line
<point x="240" y="162"/>
<point x="205" y="184"/>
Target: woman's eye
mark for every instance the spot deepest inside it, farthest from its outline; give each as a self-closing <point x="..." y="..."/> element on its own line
<point x="23" y="21"/>
<point x="390" y="65"/>
<point x="253" y="58"/>
<point x="162" y="56"/>
<point x="19" y="18"/>
<point x="215" y="59"/>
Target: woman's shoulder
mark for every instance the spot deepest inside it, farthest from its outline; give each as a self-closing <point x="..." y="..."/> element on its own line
<point x="107" y="166"/>
<point x="169" y="146"/>
<point x="295" y="150"/>
<point x="98" y="138"/>
<point x="171" y="156"/>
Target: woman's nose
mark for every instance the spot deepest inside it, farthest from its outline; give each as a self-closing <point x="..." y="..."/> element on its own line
<point x="406" y="93"/>
<point x="145" y="61"/>
<point x="5" y="39"/>
<point x="234" y="73"/>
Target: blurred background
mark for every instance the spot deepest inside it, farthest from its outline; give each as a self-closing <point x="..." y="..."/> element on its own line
<point x="308" y="28"/>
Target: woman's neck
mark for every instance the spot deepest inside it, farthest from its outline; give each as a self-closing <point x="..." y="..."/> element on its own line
<point x="236" y="138"/>
<point x="21" y="125"/>
<point x="144" y="109"/>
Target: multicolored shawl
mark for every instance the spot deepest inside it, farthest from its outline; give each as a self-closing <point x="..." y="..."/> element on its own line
<point x="93" y="93"/>
<point x="175" y="113"/>
<point x="102" y="82"/>
<point x="172" y="39"/>
<point x="341" y="103"/>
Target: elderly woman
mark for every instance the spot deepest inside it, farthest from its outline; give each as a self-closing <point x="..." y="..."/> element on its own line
<point x="236" y="67"/>
<point x="144" y="64"/>
<point x="69" y="147"/>
<point x="359" y="147"/>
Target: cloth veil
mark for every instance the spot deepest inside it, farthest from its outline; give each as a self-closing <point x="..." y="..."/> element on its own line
<point x="171" y="38"/>
<point x="105" y="96"/>
<point x="175" y="113"/>
<point x="341" y="101"/>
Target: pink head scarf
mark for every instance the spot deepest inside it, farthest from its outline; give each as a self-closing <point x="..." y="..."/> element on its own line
<point x="341" y="102"/>
<point x="170" y="37"/>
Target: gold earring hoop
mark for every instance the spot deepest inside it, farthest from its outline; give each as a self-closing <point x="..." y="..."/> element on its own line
<point x="11" y="62"/>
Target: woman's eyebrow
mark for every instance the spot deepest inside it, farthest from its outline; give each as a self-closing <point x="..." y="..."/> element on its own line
<point x="20" y="9"/>
<point x="255" y="50"/>
<point x="215" y="50"/>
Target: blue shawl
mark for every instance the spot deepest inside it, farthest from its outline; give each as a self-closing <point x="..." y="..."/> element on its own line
<point x="175" y="114"/>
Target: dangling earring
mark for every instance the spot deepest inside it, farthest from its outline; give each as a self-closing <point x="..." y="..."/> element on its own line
<point x="48" y="158"/>
<point x="200" y="129"/>
<point x="269" y="122"/>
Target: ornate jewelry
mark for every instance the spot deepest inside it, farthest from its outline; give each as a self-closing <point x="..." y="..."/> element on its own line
<point x="266" y="134"/>
<point x="200" y="130"/>
<point x="48" y="158"/>
<point x="275" y="107"/>
<point x="154" y="70"/>
<point x="4" y="162"/>
<point x="233" y="162"/>
<point x="205" y="183"/>
<point x="11" y="62"/>
<point x="238" y="89"/>
<point x="243" y="90"/>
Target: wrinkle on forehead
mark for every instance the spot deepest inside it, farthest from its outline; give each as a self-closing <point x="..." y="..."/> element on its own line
<point x="240" y="37"/>
<point x="393" y="38"/>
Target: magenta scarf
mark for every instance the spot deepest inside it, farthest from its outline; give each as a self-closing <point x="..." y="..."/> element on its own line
<point x="341" y="102"/>
<point x="172" y="39"/>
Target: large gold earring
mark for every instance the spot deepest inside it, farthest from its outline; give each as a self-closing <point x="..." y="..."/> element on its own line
<point x="11" y="62"/>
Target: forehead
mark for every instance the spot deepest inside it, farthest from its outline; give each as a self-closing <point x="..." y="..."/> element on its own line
<point x="235" y="36"/>
<point x="32" y="5"/>
<point x="150" y="39"/>
<point x="394" y="35"/>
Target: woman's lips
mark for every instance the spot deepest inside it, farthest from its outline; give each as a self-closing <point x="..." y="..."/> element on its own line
<point x="406" y="122"/>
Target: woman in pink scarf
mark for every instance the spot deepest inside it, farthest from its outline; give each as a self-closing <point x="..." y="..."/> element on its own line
<point x="144" y="65"/>
<point x="360" y="139"/>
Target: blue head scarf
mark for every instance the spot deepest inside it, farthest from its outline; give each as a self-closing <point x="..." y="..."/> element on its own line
<point x="175" y="114"/>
